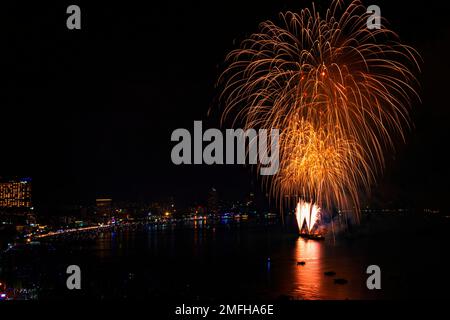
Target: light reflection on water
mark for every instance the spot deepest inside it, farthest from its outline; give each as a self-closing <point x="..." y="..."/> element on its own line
<point x="216" y="261"/>
<point x="310" y="282"/>
<point x="308" y="278"/>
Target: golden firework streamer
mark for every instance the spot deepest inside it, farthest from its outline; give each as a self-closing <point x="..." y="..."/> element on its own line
<point x="339" y="92"/>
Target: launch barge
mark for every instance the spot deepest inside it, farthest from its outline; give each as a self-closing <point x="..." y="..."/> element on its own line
<point x="311" y="236"/>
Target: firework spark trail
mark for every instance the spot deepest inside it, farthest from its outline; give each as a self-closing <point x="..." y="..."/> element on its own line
<point x="339" y="93"/>
<point x="307" y="213"/>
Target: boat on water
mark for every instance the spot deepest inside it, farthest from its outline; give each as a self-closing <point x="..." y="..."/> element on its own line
<point x="312" y="236"/>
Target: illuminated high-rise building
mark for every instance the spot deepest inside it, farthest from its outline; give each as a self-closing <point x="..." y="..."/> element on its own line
<point x="15" y="193"/>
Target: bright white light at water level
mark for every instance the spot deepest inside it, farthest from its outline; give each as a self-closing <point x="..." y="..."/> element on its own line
<point x="308" y="212"/>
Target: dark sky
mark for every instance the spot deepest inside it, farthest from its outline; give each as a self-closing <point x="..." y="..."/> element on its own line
<point x="89" y="113"/>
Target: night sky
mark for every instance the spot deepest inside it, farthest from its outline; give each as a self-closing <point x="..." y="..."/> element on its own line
<point x="89" y="113"/>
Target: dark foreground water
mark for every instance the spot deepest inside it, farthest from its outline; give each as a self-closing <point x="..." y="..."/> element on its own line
<point x="247" y="260"/>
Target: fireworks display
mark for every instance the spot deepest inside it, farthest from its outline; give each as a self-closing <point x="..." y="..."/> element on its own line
<point x="306" y="213"/>
<point x="339" y="93"/>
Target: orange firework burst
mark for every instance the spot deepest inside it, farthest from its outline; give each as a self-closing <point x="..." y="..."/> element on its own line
<point x="339" y="93"/>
